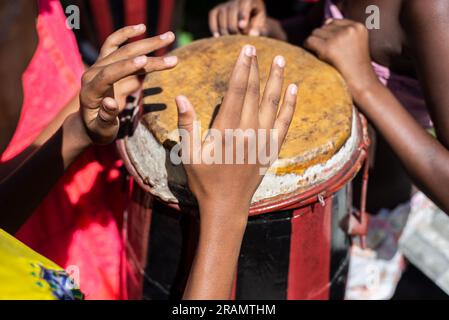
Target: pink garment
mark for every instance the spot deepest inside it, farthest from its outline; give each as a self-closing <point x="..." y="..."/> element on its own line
<point x="407" y="90"/>
<point x="79" y="222"/>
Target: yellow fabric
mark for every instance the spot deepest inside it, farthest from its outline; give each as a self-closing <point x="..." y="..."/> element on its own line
<point x="20" y="269"/>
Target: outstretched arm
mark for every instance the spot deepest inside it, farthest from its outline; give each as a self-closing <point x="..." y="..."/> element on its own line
<point x="224" y="191"/>
<point x="344" y="44"/>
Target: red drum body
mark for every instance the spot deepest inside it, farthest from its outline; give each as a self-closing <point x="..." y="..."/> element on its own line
<point x="294" y="247"/>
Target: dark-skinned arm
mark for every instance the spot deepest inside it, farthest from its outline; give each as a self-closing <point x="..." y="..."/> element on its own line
<point x="224" y="200"/>
<point x="344" y="44"/>
<point x="96" y="122"/>
<point x="24" y="189"/>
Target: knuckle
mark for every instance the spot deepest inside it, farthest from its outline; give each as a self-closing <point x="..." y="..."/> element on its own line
<point x="359" y="26"/>
<point x="290" y="104"/>
<point x="253" y="89"/>
<point x="278" y="72"/>
<point x="103" y="75"/>
<point x="85" y="78"/>
<point x="284" y="123"/>
<point x="274" y="100"/>
<point x="126" y="50"/>
<point x="85" y="97"/>
<point x="238" y="90"/>
<point x="351" y="29"/>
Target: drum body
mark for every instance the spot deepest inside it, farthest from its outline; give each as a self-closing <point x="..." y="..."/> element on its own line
<point x="298" y="253"/>
<point x="293" y="246"/>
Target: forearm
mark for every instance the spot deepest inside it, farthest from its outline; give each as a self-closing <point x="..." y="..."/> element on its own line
<point x="9" y="166"/>
<point x="424" y="158"/>
<point x="39" y="173"/>
<point x="215" y="262"/>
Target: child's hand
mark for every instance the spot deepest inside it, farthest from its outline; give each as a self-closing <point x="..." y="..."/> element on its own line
<point x="344" y="44"/>
<point x="99" y="105"/>
<point x="230" y="187"/>
<point x="239" y="17"/>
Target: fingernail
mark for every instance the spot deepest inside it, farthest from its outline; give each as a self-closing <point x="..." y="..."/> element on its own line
<point x="182" y="104"/>
<point x="242" y="23"/>
<point x="328" y="21"/>
<point x="216" y="34"/>
<point x="167" y="35"/>
<point x="249" y="50"/>
<point x="280" y="61"/>
<point x="171" y="61"/>
<point x="140" y="61"/>
<point x="293" y="89"/>
<point x="139" y="27"/>
<point x="254" y="33"/>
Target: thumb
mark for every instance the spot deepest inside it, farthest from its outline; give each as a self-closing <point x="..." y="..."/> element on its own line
<point x="102" y="123"/>
<point x="186" y="114"/>
<point x="245" y="8"/>
<point x="186" y="125"/>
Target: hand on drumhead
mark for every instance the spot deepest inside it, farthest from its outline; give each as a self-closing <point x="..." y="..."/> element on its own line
<point x="226" y="170"/>
<point x="344" y="44"/>
<point x="113" y="76"/>
<point x="239" y="17"/>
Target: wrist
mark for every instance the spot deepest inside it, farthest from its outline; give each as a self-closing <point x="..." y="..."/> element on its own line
<point x="228" y="217"/>
<point x="74" y="128"/>
<point x="365" y="93"/>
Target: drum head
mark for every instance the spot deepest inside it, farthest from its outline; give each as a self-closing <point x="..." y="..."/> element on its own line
<point x="323" y="123"/>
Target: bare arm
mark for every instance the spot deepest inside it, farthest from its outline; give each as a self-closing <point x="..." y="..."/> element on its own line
<point x="96" y="121"/>
<point x="36" y="176"/>
<point x="224" y="191"/>
<point x="426" y="25"/>
<point x="425" y="158"/>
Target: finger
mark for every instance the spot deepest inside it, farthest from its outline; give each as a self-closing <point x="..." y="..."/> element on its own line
<point x="186" y="126"/>
<point x="113" y="73"/>
<point x="115" y="40"/>
<point x="257" y="25"/>
<point x="231" y="108"/>
<point x="245" y="8"/>
<point x="105" y="123"/>
<point x="322" y="33"/>
<point x="223" y="21"/>
<point x="286" y="113"/>
<point x="160" y="64"/>
<point x="272" y="93"/>
<point x="139" y="48"/>
<point x="250" y="110"/>
<point x="109" y="111"/>
<point x="126" y="87"/>
<point x="316" y="45"/>
<point x="233" y="18"/>
<point x="213" y="22"/>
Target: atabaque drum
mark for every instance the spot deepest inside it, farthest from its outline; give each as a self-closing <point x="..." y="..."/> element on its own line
<point x="293" y="247"/>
